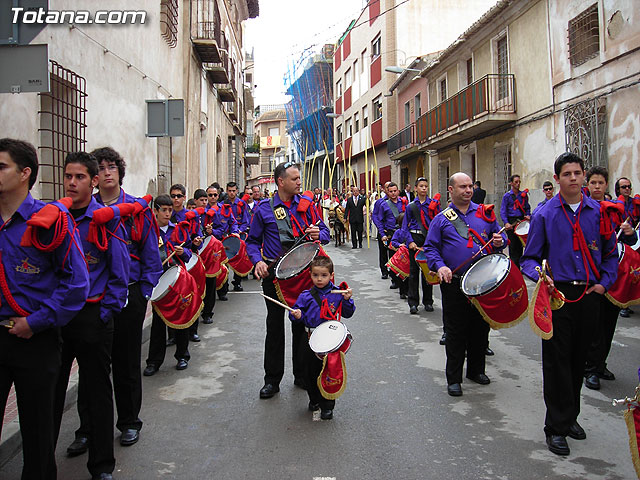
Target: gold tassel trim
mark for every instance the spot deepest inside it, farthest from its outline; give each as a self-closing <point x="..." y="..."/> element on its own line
<point x="184" y="325"/>
<point x="492" y="323"/>
<point x="324" y="393"/>
<point x="532" y="323"/>
<point x="633" y="442"/>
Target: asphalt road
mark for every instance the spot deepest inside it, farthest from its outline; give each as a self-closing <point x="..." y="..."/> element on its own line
<point x="395" y="419"/>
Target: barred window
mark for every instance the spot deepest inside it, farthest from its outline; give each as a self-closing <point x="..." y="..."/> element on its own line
<point x="584" y="36"/>
<point x="62" y="127"/>
<point x="169" y="21"/>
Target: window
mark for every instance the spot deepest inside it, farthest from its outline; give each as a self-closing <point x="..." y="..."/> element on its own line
<point x="377" y="108"/>
<point x="274" y="131"/>
<point x="355" y="70"/>
<point x="584" y="36"/>
<point x="407" y="113"/>
<point x="375" y="48"/>
<point x="416" y="106"/>
<point x="339" y="88"/>
<point x="347" y="127"/>
<point x="442" y="89"/>
<point x="470" y="71"/>
<point x="339" y="134"/>
<point x="356" y="122"/>
<point x="503" y="67"/>
<point x="362" y="57"/>
<point x="347" y="79"/>
<point x="365" y="116"/>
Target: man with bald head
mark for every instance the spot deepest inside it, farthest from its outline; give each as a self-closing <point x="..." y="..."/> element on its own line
<point x="447" y="247"/>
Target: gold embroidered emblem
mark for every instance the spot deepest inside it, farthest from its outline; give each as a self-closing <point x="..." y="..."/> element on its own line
<point x="185" y="301"/>
<point x="484" y="234"/>
<point x="450" y="214"/>
<point x="26" y="267"/>
<point x="515" y="296"/>
<point x="634" y="273"/>
<point x="91" y="260"/>
<point x="593" y="246"/>
<point x="280" y="213"/>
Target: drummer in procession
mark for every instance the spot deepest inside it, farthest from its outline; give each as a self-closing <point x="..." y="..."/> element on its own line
<point x="598" y="351"/>
<point x="178" y="196"/>
<point x="88" y="337"/>
<point x="515" y="208"/>
<point x="547" y="188"/>
<point x="167" y="244"/>
<point x="383" y="250"/>
<point x="242" y="216"/>
<point x="223" y="224"/>
<point x="455" y="235"/>
<point x="276" y="225"/>
<point x="566" y="232"/>
<point x="623" y="189"/>
<point x="45" y="289"/>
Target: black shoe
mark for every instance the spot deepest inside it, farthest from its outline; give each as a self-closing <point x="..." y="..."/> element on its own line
<point x="129" y="437"/>
<point x="269" y="390"/>
<point x="577" y="432"/>
<point x="313" y="406"/>
<point x="403" y="296"/>
<point x="625" y="312"/>
<point x="223" y="298"/>
<point x="150" y="371"/>
<point x="237" y="287"/>
<point x="558" y="444"/>
<point x="103" y="476"/>
<point x="78" y="446"/>
<point x="488" y="352"/>
<point x="428" y="308"/>
<point x="171" y="341"/>
<point x="326" y="414"/>
<point x="384" y="276"/>
<point x="393" y="286"/>
<point x="194" y="337"/>
<point x="208" y="319"/>
<point x="182" y="364"/>
<point x="606" y="375"/>
<point x="480" y="378"/>
<point x="592" y="381"/>
<point x="443" y="340"/>
<point x="353" y="248"/>
<point x="413" y="310"/>
<point x="300" y="384"/>
<point x="360" y="246"/>
<point x="455" y="390"/>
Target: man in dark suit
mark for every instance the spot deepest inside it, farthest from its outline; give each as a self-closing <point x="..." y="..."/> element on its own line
<point x="408" y="193"/>
<point x="355" y="214"/>
<point x="479" y="194"/>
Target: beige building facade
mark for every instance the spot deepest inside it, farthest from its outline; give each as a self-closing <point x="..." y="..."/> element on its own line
<point x="271" y="129"/>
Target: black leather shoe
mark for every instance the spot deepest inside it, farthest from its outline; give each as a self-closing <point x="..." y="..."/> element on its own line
<point x="455" y="390"/>
<point x="182" y="364"/>
<point x="384" y="276"/>
<point x="592" y="381"/>
<point x="393" y="286"/>
<point x="413" y="310"/>
<point x="480" y="378"/>
<point x="443" y="340"/>
<point x="150" y="371"/>
<point x="208" y="320"/>
<point x="577" y="432"/>
<point x="223" y="298"/>
<point x="313" y="406"/>
<point x="103" y="476"/>
<point x="129" y="437"/>
<point x="194" y="337"/>
<point x="428" y="308"/>
<point x="171" y="341"/>
<point x="300" y="384"/>
<point x="237" y="287"/>
<point x="326" y="414"/>
<point x="403" y="296"/>
<point x="353" y="248"/>
<point x="269" y="390"/>
<point x="558" y="444"/>
<point x="489" y="353"/>
<point x="625" y="312"/>
<point x="606" y="375"/>
<point x="78" y="446"/>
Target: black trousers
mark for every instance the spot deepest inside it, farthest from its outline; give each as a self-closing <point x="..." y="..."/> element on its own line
<point x="602" y="337"/>
<point x="564" y="355"/>
<point x="415" y="279"/>
<point x="89" y="340"/>
<point x="356" y="234"/>
<point x="33" y="366"/>
<point x="158" y="342"/>
<point x="466" y="331"/>
<point x="312" y="369"/>
<point x="515" y="245"/>
<point x="383" y="256"/>
<point x="209" y="297"/>
<point x="274" y="340"/>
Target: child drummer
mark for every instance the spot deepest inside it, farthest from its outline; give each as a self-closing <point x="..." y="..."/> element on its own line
<point x="313" y="307"/>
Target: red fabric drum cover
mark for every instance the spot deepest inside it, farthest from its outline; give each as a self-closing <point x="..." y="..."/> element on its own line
<point x="632" y="419"/>
<point x="236" y="252"/>
<point x="296" y="278"/>
<point x="539" y="311"/>
<point x="626" y="289"/>
<point x="522" y="231"/>
<point x="431" y="277"/>
<point x="212" y="255"/>
<point x="196" y="269"/>
<point x="496" y="288"/>
<point x="222" y="276"/>
<point x="400" y="263"/>
<point x="178" y="303"/>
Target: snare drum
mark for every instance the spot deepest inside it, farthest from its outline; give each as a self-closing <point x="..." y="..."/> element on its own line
<point x="496" y="288"/>
<point x="400" y="263"/>
<point x="196" y="269"/>
<point x="175" y="298"/>
<point x="292" y="271"/>
<point x="421" y="260"/>
<point x="626" y="289"/>
<point x="212" y="255"/>
<point x="330" y="336"/>
<point x="522" y="231"/>
<point x="236" y="251"/>
<point x="221" y="278"/>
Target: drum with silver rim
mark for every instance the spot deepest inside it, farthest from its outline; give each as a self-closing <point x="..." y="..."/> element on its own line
<point x="328" y="337"/>
<point x="485" y="275"/>
<point x="296" y="260"/>
<point x="522" y="231"/>
<point x="167" y="280"/>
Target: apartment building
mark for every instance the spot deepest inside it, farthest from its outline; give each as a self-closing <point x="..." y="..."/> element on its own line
<point x="271" y="128"/>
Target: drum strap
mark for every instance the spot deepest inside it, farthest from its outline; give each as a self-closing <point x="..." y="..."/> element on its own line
<point x="285" y="230"/>
<point x="394" y="208"/>
<point x="325" y="311"/>
<point x="416" y="212"/>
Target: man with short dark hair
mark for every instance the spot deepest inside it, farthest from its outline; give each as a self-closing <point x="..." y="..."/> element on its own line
<point x="178" y="196"/>
<point x="623" y="189"/>
<point x="355" y="214"/>
<point x="385" y="217"/>
<point x="479" y="193"/>
<point x="200" y="196"/>
<point x="515" y="207"/>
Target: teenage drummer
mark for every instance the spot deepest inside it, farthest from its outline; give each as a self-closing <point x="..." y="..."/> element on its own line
<point x="313" y="307"/>
<point x="275" y="226"/>
<point x="454" y="236"/>
<point x="167" y="244"/>
<point x="514" y="208"/>
<point x="242" y="216"/>
<point x="584" y="263"/>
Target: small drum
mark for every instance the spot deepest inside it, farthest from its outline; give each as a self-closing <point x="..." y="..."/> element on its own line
<point x="196" y="269"/>
<point x="421" y="260"/>
<point x="329" y="337"/>
<point x="626" y="289"/>
<point x="400" y="263"/>
<point x="522" y="231"/>
<point x="175" y="298"/>
<point x="212" y="255"/>
<point x="222" y="276"/>
<point x="292" y="271"/>
<point x="496" y="288"/>
<point x="236" y="251"/>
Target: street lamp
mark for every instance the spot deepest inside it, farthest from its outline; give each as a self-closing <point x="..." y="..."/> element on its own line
<point x="398" y="70"/>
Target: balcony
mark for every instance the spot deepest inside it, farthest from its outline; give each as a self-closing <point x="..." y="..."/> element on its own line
<point x="402" y="143"/>
<point x="227" y="92"/>
<point x="482" y="106"/>
<point x="206" y="31"/>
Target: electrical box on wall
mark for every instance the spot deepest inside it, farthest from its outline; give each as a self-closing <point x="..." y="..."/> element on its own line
<point x="165" y="118"/>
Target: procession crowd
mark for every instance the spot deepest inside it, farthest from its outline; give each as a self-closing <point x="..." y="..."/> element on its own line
<point x="77" y="274"/>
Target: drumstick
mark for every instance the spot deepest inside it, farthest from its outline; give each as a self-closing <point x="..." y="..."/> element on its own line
<point x="271" y="299"/>
<point x="7" y="323"/>
<point x="477" y="253"/>
<point x="339" y="291"/>
<point x="172" y="253"/>
<point x="620" y="231"/>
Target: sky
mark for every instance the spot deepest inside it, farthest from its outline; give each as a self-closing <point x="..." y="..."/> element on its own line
<point x="284" y="30"/>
